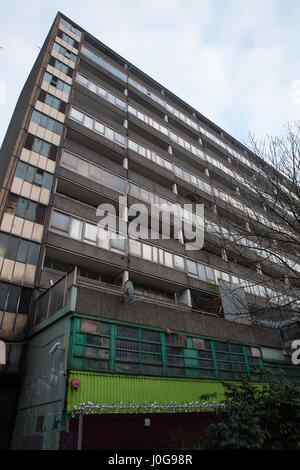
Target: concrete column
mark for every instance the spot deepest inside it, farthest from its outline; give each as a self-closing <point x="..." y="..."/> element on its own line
<point x="123" y="213"/>
<point x="185" y="298"/>
<point x="174" y="188"/>
<point x="125" y="163"/>
<point x="224" y="254"/>
<point x="125" y="277"/>
<point x="170" y="149"/>
<point x="125" y="124"/>
<point x="207" y="171"/>
<point x="179" y="234"/>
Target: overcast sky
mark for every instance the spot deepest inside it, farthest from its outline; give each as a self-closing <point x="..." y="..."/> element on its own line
<point x="235" y="61"/>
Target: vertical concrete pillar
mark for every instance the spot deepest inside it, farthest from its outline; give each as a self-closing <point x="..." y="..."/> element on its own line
<point x="125" y="277"/>
<point x="224" y="254"/>
<point x="125" y="163"/>
<point x="185" y="298"/>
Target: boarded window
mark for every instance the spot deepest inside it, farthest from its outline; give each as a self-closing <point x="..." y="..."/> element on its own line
<point x="90" y="326"/>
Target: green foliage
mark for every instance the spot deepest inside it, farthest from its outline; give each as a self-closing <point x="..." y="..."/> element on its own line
<point x="257" y="417"/>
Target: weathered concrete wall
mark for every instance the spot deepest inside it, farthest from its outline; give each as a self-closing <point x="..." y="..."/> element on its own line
<point x="40" y="407"/>
<point x="100" y="304"/>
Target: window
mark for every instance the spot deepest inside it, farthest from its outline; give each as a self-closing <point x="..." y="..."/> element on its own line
<point x="52" y="101"/>
<point x="90" y="233"/>
<point x="178" y="262"/>
<point x="57" y="83"/>
<point x="67" y="25"/>
<point x="47" y="122"/>
<point x="17" y="249"/>
<point x="77" y="115"/>
<point x="65" y="52"/>
<point x="118" y="243"/>
<point x="41" y="147"/>
<point x="60" y="66"/>
<point x="60" y="222"/>
<point x="192" y="267"/>
<point x="34" y="175"/>
<point x="76" y="229"/>
<point x="103" y="63"/>
<point x="135" y="247"/>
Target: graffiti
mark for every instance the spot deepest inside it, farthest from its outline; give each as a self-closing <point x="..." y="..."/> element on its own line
<point x="53" y="427"/>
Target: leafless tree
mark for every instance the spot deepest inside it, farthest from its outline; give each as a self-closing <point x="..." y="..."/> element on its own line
<point x="267" y="238"/>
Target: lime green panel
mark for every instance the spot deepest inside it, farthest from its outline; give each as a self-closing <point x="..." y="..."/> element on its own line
<point x="113" y="388"/>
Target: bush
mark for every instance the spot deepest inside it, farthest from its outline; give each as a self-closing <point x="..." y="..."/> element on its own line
<point x="257" y="417"/>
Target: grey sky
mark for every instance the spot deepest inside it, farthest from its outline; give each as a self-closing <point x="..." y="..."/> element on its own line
<point x="235" y="61"/>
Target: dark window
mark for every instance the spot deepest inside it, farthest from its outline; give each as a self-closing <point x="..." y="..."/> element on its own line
<point x="13" y="299"/>
<point x="30" y="172"/>
<point x="22" y="207"/>
<point x="40" y="214"/>
<point x="22" y="251"/>
<point x="21" y="170"/>
<point x="3" y="244"/>
<point x="25" y="299"/>
<point x="3" y="295"/>
<point x="33" y="253"/>
<point x="47" y="180"/>
<point x="12" y="204"/>
<point x="12" y="247"/>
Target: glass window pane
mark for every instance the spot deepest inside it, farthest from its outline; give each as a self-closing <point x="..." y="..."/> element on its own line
<point x="76" y="229"/>
<point x="201" y="272"/>
<point x="90" y="232"/>
<point x="179" y="262"/>
<point x="118" y="243"/>
<point x="119" y="183"/>
<point x="69" y="161"/>
<point x="109" y="133"/>
<point x="99" y="127"/>
<point x="209" y="273"/>
<point x="135" y="248"/>
<point x="33" y="253"/>
<point x="120" y="138"/>
<point x="22" y="251"/>
<point x="83" y="168"/>
<point x="147" y="252"/>
<point x="13" y="299"/>
<point x="192" y="267"/>
<point x="60" y="221"/>
<point x="88" y="122"/>
<point x="12" y="247"/>
<point x="81" y="79"/>
<point x="77" y="115"/>
<point x="168" y="259"/>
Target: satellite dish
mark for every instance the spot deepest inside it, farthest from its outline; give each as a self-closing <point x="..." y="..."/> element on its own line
<point x="128" y="291"/>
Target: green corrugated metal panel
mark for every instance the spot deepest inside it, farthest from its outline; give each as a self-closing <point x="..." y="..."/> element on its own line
<point x="113" y="388"/>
